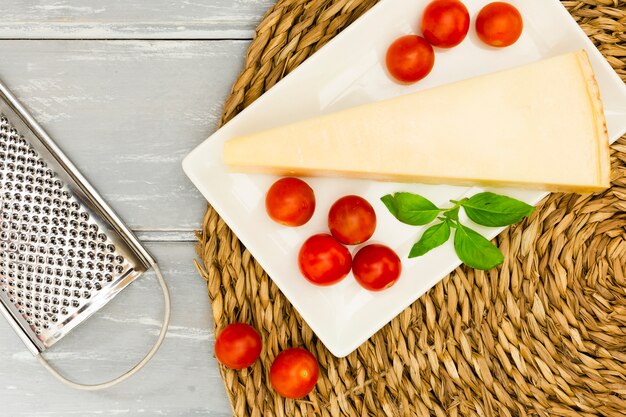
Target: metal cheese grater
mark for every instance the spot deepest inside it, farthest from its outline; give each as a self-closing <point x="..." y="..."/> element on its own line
<point x="63" y="252"/>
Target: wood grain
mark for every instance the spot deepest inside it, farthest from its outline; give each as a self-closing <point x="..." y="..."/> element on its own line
<point x="127" y="112"/>
<point x="131" y="19"/>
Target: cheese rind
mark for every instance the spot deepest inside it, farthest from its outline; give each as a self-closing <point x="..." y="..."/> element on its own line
<point x="539" y="126"/>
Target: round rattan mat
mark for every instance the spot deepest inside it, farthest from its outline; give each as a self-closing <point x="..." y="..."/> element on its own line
<point x="544" y="334"/>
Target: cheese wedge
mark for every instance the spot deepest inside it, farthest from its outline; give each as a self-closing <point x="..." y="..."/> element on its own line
<point x="539" y="126"/>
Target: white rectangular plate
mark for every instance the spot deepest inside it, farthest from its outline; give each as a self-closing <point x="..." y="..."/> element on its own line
<point x="350" y="71"/>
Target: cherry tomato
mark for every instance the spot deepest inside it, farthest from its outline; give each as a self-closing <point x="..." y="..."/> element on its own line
<point x="445" y="23"/>
<point x="410" y="58"/>
<point x="351" y="220"/>
<point x="499" y="24"/>
<point x="376" y="267"/>
<point x="294" y="373"/>
<point x="290" y="201"/>
<point x="238" y="346"/>
<point x="323" y="260"/>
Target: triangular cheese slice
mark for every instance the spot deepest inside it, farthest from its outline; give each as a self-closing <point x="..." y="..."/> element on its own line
<point x="539" y="126"/>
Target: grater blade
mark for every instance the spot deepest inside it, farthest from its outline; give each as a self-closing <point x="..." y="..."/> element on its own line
<point x="63" y="252"/>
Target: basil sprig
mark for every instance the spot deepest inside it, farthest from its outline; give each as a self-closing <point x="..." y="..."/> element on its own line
<point x="472" y="248"/>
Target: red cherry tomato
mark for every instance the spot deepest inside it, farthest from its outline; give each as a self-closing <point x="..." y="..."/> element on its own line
<point x="323" y="260"/>
<point x="376" y="267"/>
<point x="294" y="373"/>
<point x="351" y="220"/>
<point x="290" y="201"/>
<point x="499" y="24"/>
<point x="238" y="346"/>
<point x="445" y="23"/>
<point x="410" y="58"/>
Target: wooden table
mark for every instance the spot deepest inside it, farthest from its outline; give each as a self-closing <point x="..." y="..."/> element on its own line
<point x="127" y="88"/>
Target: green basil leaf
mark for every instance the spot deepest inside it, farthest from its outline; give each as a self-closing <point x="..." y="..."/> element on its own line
<point x="433" y="237"/>
<point x="452" y="214"/>
<point x="475" y="250"/>
<point x="494" y="210"/>
<point x="412" y="209"/>
<point x="390" y="203"/>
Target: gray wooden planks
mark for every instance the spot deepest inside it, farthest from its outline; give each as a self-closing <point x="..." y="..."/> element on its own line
<point x="126" y="113"/>
<point x="131" y="19"/>
<point x="181" y="380"/>
<point x="126" y="107"/>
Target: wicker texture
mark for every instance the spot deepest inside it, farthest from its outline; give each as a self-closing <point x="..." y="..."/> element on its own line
<point x="544" y="334"/>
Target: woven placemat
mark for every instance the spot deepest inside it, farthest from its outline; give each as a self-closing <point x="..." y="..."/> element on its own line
<point x="544" y="334"/>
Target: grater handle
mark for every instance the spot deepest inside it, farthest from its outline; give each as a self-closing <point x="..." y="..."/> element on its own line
<point x="134" y="369"/>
